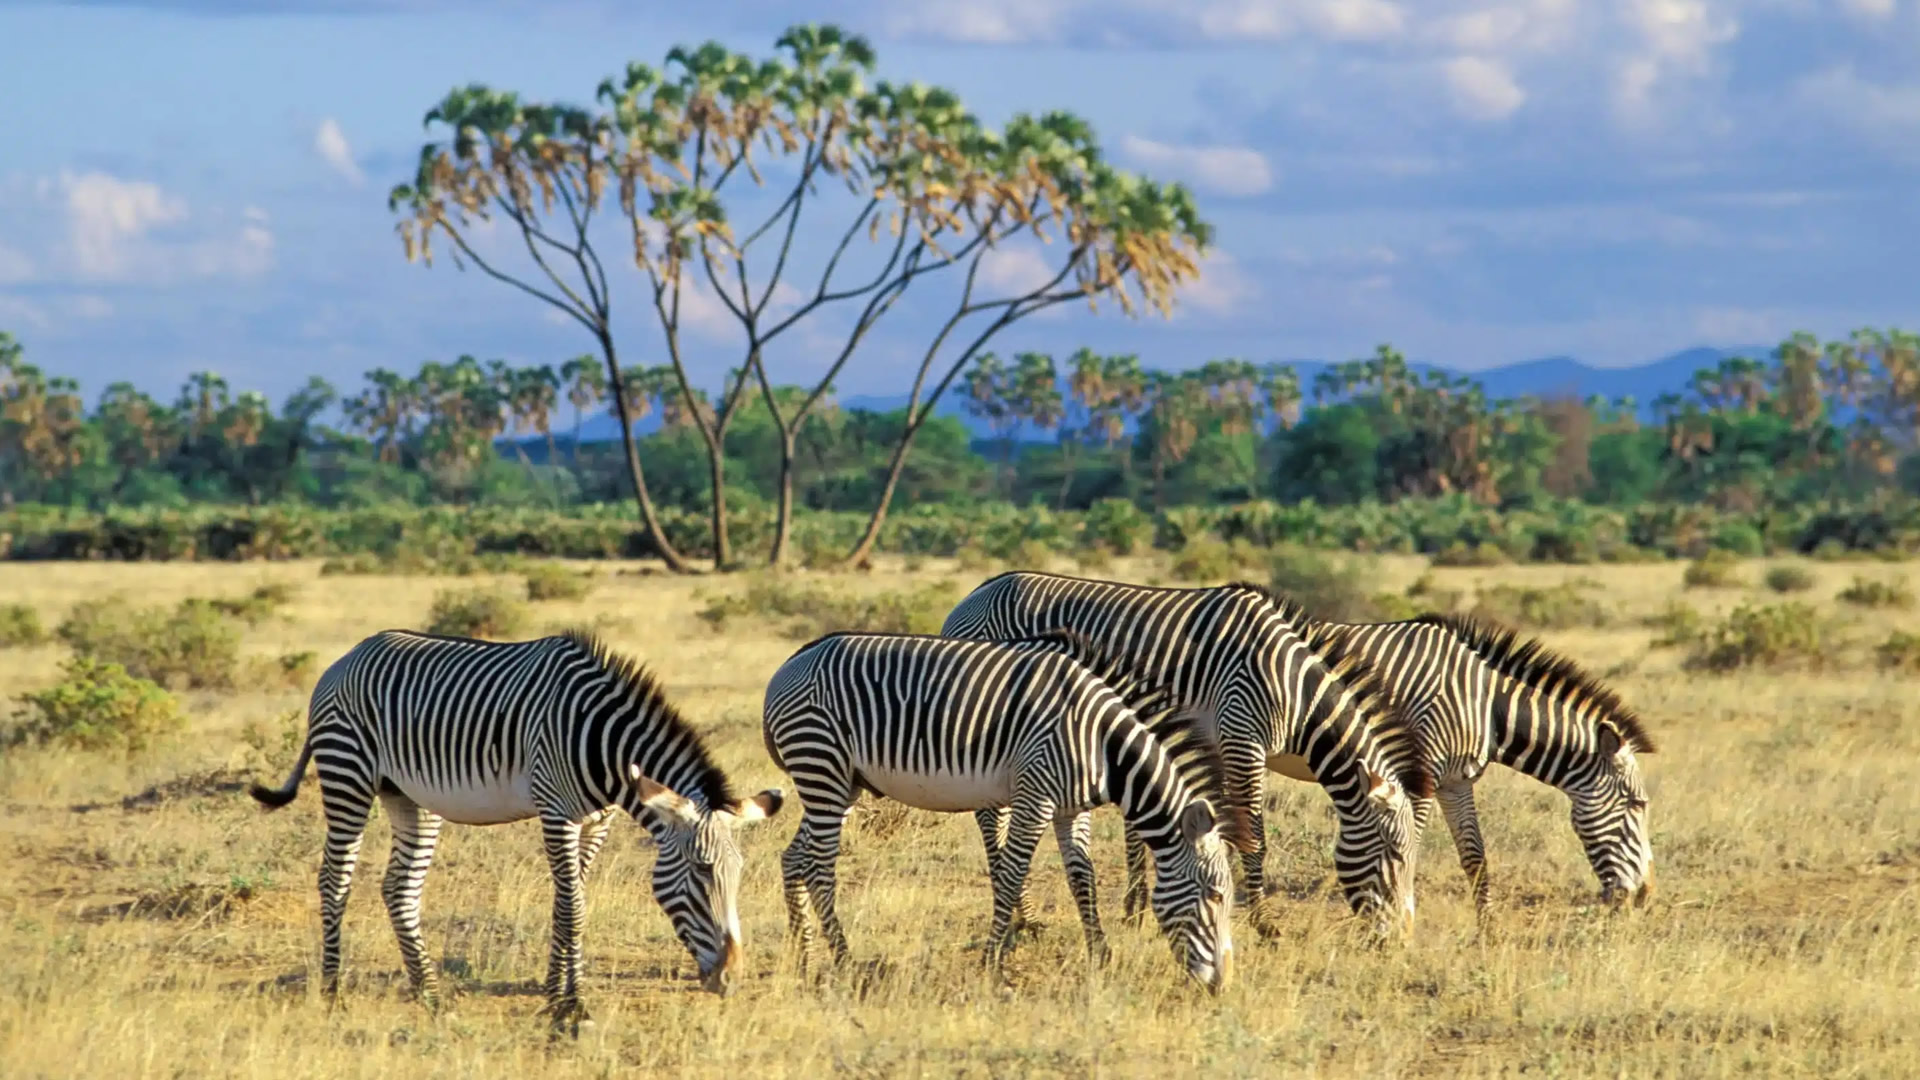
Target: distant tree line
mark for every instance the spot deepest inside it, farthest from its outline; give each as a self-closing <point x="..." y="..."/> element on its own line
<point x="1812" y="422"/>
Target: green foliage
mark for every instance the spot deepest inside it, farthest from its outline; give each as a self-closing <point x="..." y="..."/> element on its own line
<point x="1773" y="636"/>
<point x="1679" y="624"/>
<point x="191" y="645"/>
<point x="1332" y="588"/>
<point x="476" y="613"/>
<point x="256" y="607"/>
<point x="20" y="626"/>
<point x="1205" y="560"/>
<point x="551" y="581"/>
<point x="1786" y="579"/>
<point x="294" y="669"/>
<point x="96" y="705"/>
<point x="1481" y="554"/>
<point x="1717" y="569"/>
<point x="1739" y="538"/>
<point x="1427" y="594"/>
<point x="1900" y="653"/>
<point x="1565" y="606"/>
<point x="1871" y="593"/>
<point x="807" y="610"/>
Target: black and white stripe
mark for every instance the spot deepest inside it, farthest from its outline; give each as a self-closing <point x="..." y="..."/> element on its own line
<point x="483" y="733"/>
<point x="1283" y="698"/>
<point x="959" y="725"/>
<point x="1478" y="694"/>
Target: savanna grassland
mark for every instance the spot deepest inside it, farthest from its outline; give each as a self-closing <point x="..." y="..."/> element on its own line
<point x="155" y="922"/>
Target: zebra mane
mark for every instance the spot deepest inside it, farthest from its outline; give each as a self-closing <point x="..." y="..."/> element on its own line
<point x="1367" y="689"/>
<point x="1529" y="662"/>
<point x="650" y="698"/>
<point x="1191" y="740"/>
<point x="1111" y="666"/>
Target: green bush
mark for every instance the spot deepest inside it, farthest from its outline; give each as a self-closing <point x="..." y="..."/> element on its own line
<point x="1789" y="635"/>
<point x="1565" y="606"/>
<point x="1679" y="624"/>
<point x="807" y="611"/>
<point x="189" y="646"/>
<point x="1786" y="579"/>
<point x="551" y="581"/>
<point x="1716" y="569"/>
<point x="1204" y="560"/>
<point x="1899" y="653"/>
<point x="96" y="706"/>
<point x="294" y="669"/>
<point x="257" y="606"/>
<point x="1462" y="554"/>
<point x="1333" y="588"/>
<point x="476" y="613"/>
<point x="20" y="626"/>
<point x="1117" y="525"/>
<point x="1740" y="538"/>
<point x="1429" y="595"/>
<point x="1866" y="592"/>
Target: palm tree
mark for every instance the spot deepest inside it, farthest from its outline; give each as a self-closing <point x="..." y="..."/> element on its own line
<point x="586" y="383"/>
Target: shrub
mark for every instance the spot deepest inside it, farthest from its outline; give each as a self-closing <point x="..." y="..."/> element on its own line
<point x="1865" y="592"/>
<point x="973" y="558"/>
<point x="257" y="606"/>
<point x="1205" y="560"/>
<point x="1555" y="607"/>
<point x="1774" y="636"/>
<point x="1429" y="595"/>
<point x="1330" y="587"/>
<point x="189" y="646"/>
<point x="1679" y="624"/>
<point x="295" y="669"/>
<point x="809" y="611"/>
<point x="551" y="581"/>
<point x="1481" y="554"/>
<point x="1900" y="653"/>
<point x="1117" y="525"/>
<point x="96" y="705"/>
<point x="20" y="626"/>
<point x="1786" y="579"/>
<point x="1715" y="570"/>
<point x="1739" y="538"/>
<point x="477" y="613"/>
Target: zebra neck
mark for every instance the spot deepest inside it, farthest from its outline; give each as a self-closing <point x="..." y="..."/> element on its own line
<point x="1545" y="738"/>
<point x="1331" y="735"/>
<point x="1143" y="783"/>
<point x="662" y="751"/>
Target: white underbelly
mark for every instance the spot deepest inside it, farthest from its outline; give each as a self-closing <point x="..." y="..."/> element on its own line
<point x="943" y="791"/>
<point x="1292" y="766"/>
<point x="484" y="802"/>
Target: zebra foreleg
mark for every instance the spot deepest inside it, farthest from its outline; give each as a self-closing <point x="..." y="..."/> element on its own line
<point x="1074" y="833"/>
<point x="563" y="958"/>
<point x="416" y="830"/>
<point x="993" y="834"/>
<point x="1246" y="783"/>
<point x="1139" y="883"/>
<point x="1024" y="826"/>
<point x="593" y="834"/>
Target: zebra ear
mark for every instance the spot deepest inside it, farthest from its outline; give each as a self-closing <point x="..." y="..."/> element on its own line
<point x="1196" y="820"/>
<point x="764" y="805"/>
<point x="1609" y="740"/>
<point x="1381" y="789"/>
<point x="663" y="800"/>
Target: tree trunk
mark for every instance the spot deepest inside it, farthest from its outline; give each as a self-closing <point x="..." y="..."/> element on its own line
<point x="655" y="534"/>
<point x="871" y="536"/>
<point x="1066" y="475"/>
<point x="783" y="514"/>
<point x="717" y="478"/>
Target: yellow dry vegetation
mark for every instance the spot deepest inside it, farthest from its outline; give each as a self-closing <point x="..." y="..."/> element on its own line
<point x="155" y="922"/>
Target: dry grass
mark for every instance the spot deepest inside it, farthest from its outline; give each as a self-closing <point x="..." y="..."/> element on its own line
<point x="154" y="922"/>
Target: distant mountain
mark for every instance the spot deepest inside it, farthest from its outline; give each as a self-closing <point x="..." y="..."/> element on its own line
<point x="1549" y="377"/>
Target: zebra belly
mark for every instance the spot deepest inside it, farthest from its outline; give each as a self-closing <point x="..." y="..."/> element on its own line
<point x="1292" y="766"/>
<point x="477" y="801"/>
<point x="948" y="792"/>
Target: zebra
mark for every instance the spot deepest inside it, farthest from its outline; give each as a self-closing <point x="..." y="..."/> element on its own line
<point x="1481" y="695"/>
<point x="483" y="733"/>
<point x="953" y="726"/>
<point x="1283" y="697"/>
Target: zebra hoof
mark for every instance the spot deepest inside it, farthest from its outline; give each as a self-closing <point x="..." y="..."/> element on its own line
<point x="1100" y="955"/>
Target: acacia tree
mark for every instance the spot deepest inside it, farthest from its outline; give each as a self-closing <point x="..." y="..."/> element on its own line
<point x="586" y="385"/>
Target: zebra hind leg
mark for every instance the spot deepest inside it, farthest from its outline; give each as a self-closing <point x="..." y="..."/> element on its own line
<point x="1027" y="821"/>
<point x="563" y="960"/>
<point x="993" y="833"/>
<point x="1074" y="833"/>
<point x="809" y="865"/>
<point x="416" y="830"/>
<point x="346" y="806"/>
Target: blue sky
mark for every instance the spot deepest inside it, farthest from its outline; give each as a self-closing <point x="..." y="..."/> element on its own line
<point x="194" y="184"/>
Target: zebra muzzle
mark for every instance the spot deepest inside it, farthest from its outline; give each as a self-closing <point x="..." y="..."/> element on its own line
<point x="719" y="978"/>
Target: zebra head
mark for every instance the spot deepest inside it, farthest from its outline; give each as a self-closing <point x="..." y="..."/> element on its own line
<point x="1373" y="854"/>
<point x="1193" y="897"/>
<point x="696" y="875"/>
<point x="1610" y="817"/>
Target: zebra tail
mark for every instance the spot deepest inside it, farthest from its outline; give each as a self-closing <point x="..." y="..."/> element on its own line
<point x="275" y="798"/>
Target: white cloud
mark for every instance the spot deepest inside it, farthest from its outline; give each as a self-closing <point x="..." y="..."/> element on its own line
<point x="1008" y="22"/>
<point x="331" y="144"/>
<point x="1676" y="38"/>
<point x="1011" y="269"/>
<point x="24" y="313"/>
<point x="51" y="315"/>
<point x="131" y="230"/>
<point x="1221" y="289"/>
<point x="1885" y="114"/>
<point x="1872" y="9"/>
<point x="1482" y="89"/>
<point x="1224" y="170"/>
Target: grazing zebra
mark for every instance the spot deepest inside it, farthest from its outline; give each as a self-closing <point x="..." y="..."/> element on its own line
<point x="1478" y="694"/>
<point x="962" y="725"/>
<point x="483" y="733"/>
<point x="1283" y="698"/>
